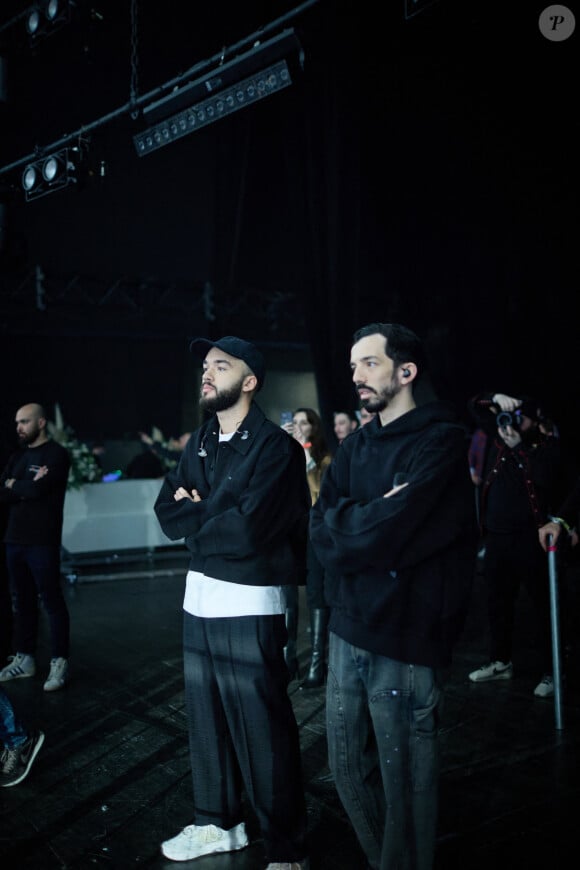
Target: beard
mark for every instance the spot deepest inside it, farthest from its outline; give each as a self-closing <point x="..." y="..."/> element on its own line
<point x="221" y="401"/>
<point x="377" y="403"/>
<point x="29" y="438"/>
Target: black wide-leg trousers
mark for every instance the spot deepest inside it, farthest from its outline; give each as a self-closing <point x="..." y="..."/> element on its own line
<point x="242" y="729"/>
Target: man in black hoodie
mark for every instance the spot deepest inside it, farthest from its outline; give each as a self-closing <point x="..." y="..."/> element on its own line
<point x="395" y="528"/>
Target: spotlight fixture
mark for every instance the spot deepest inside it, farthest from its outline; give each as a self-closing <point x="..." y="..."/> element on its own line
<point x="44" y="18"/>
<point x="33" y="22"/>
<point x="228" y="88"/>
<point x="50" y="173"/>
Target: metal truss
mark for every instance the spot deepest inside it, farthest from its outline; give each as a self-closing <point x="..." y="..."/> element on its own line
<point x="36" y="302"/>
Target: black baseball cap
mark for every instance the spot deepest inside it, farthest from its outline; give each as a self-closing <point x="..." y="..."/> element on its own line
<point x="236" y="347"/>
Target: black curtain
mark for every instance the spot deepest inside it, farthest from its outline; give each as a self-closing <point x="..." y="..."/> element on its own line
<point x="414" y="171"/>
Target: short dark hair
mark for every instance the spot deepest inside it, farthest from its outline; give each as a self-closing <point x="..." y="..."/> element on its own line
<point x="350" y="414"/>
<point x="401" y="343"/>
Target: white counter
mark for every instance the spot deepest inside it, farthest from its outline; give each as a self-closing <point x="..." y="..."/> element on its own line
<point x="113" y="516"/>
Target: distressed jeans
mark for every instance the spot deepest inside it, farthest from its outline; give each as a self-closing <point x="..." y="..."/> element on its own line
<point x="382" y="731"/>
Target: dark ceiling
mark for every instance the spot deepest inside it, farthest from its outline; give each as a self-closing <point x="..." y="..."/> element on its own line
<point x="138" y="235"/>
<point x="422" y="167"/>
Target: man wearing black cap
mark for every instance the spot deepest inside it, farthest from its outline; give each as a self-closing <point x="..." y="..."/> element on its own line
<point x="240" y="499"/>
<point x="518" y="492"/>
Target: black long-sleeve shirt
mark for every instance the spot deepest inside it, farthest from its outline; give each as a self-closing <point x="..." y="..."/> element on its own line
<point x="35" y="507"/>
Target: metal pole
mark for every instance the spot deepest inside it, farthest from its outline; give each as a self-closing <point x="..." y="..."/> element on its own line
<point x="555" y="623"/>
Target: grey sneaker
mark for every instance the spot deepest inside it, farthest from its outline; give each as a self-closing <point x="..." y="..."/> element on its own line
<point x="21" y="665"/>
<point x="197" y="840"/>
<point x="545" y="688"/>
<point x="16" y="763"/>
<point x="304" y="864"/>
<point x="57" y="675"/>
<point x="492" y="671"/>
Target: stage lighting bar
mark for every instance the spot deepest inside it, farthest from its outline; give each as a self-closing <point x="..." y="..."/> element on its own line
<point x="50" y="173"/>
<point x="268" y="81"/>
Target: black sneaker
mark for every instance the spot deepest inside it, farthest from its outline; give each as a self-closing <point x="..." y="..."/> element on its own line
<point x="15" y="763"/>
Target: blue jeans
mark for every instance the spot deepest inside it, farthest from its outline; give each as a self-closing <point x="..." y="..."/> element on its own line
<point x="35" y="571"/>
<point x="382" y="732"/>
<point x="12" y="731"/>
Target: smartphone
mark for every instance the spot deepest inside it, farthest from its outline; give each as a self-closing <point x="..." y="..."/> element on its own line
<point x="286" y="417"/>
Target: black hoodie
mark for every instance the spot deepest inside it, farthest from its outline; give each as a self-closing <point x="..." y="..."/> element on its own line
<point x="402" y="567"/>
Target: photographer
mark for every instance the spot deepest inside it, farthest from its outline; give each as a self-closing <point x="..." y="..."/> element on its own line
<point x="520" y="476"/>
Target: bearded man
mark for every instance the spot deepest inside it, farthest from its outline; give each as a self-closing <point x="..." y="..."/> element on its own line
<point x="240" y="499"/>
<point x="394" y="527"/>
<point x="33" y="485"/>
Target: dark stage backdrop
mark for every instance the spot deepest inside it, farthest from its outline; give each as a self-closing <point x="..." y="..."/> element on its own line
<point x="421" y="169"/>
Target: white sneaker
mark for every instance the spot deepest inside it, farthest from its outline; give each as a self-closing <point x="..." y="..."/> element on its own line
<point x="492" y="671"/>
<point x="197" y="840"/>
<point x="545" y="688"/>
<point x="57" y="675"/>
<point x="304" y="864"/>
<point x="22" y="665"/>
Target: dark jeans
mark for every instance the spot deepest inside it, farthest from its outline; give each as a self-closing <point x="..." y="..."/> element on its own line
<point x="382" y="720"/>
<point x="512" y="561"/>
<point x="35" y="572"/>
<point x="242" y="730"/>
<point x="5" y="608"/>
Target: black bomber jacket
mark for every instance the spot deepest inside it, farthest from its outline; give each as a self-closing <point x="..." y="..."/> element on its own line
<point x="252" y="522"/>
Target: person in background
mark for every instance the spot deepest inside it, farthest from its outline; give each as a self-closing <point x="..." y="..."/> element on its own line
<point x="395" y="526"/>
<point x="345" y="422"/>
<point x="365" y="416"/>
<point x="519" y="480"/>
<point x="33" y="485"/>
<point x="20" y="744"/>
<point x="239" y="497"/>
<point x="476" y="454"/>
<point x="306" y="427"/>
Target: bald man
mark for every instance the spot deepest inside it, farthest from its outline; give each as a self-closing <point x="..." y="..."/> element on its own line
<point x="33" y="486"/>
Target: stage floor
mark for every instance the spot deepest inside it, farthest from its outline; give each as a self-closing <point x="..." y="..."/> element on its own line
<point x="112" y="779"/>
